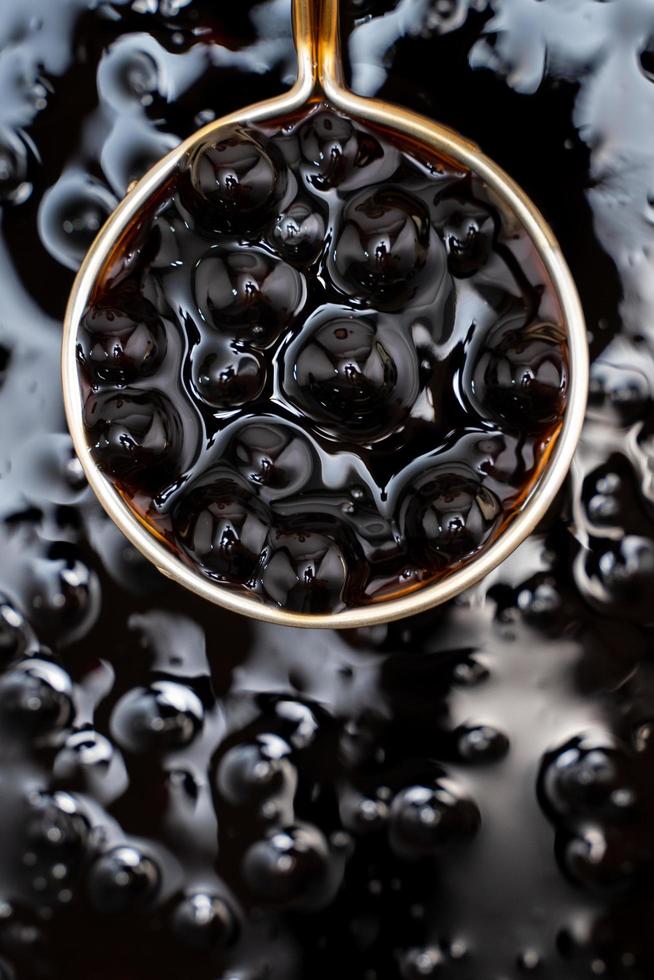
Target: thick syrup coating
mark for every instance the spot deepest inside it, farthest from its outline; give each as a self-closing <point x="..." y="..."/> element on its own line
<point x="373" y="355"/>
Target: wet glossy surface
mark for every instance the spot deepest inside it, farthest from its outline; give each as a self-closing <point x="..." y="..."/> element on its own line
<point x="465" y="796"/>
<point x="322" y="365"/>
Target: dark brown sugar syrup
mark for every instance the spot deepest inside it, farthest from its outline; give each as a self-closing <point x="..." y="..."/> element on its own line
<point x="323" y="365"/>
<point x="187" y="795"/>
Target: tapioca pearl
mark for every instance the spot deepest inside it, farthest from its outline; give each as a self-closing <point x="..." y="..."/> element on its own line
<point x="306" y="572"/>
<point x="36" y="699"/>
<point x="123" y="881"/>
<point x="448" y="515"/>
<point x="252" y="772"/>
<point x="222" y="527"/>
<point x="121" y="339"/>
<point x="620" y="576"/>
<point x="425" y="818"/>
<point x="481" y="743"/>
<point x="234" y="181"/>
<point x="17" y="637"/>
<point x="15" y="186"/>
<point x="604" y="858"/>
<point x="55" y="841"/>
<point x="248" y="293"/>
<point x="64" y="593"/>
<point x="162" y="717"/>
<point x="299" y="233"/>
<point x="227" y="376"/>
<point x="468" y="230"/>
<point x="299" y="722"/>
<point x="204" y="921"/>
<point x="386" y="246"/>
<point x="71" y="214"/>
<point x="135" y="436"/>
<point x="337" y="154"/>
<point x="290" y="867"/>
<point x="275" y="458"/>
<point x="520" y="375"/>
<point x="356" y="376"/>
<point x="588" y="777"/>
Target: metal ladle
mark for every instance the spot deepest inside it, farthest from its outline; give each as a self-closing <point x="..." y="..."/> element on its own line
<point x="320" y="79"/>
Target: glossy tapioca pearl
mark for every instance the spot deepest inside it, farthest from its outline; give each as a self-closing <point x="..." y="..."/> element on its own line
<point x="36" y="699"/>
<point x="234" y="182"/>
<point x="617" y="577"/>
<point x="229" y="375"/>
<point x="605" y="858"/>
<point x="122" y="338"/>
<point x="355" y="375"/>
<point x="387" y="247"/>
<point x="299" y="233"/>
<point x="425" y="818"/>
<point x="222" y="526"/>
<point x="520" y="375"/>
<point x="71" y="214"/>
<point x="247" y="293"/>
<point x="290" y="867"/>
<point x="204" y="921"/>
<point x="56" y="843"/>
<point x="276" y="458"/>
<point x="253" y="772"/>
<point x="306" y="572"/>
<point x="468" y="230"/>
<point x="64" y="593"/>
<point x="164" y="716"/>
<point x="448" y="514"/>
<point x="135" y="436"/>
<point x="589" y="777"/>
<point x="124" y="880"/>
<point x="339" y="154"/>
<point x="17" y="637"/>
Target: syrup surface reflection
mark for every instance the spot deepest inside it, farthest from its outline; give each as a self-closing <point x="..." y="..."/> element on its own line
<point x="464" y="796"/>
<point x="321" y="364"/>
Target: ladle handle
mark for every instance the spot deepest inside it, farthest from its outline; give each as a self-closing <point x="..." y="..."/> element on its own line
<point x="317" y="43"/>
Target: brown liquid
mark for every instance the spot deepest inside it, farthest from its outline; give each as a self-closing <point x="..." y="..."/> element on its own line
<point x="476" y="782"/>
<point x="323" y="366"/>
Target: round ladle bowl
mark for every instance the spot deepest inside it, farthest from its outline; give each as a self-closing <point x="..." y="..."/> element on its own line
<point x="320" y="79"/>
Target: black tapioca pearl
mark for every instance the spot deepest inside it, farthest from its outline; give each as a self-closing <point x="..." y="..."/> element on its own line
<point x="290" y="867"/>
<point x="306" y="571"/>
<point x="164" y="716"/>
<point x="227" y="376"/>
<point x="588" y="778"/>
<point x="36" y="698"/>
<point x="123" y="339"/>
<point x="234" y="181"/>
<point x="387" y="247"/>
<point x="448" y="515"/>
<point x="425" y="818"/>
<point x="339" y="154"/>
<point x="222" y="526"/>
<point x="247" y="294"/>
<point x="520" y="375"/>
<point x="356" y="376"/>
<point x="124" y="880"/>
<point x="252" y="772"/>
<point x="299" y="233"/>
<point x="277" y="459"/>
<point x="135" y="436"/>
<point x="468" y="231"/>
<point x="56" y="843"/>
<point x="203" y="921"/>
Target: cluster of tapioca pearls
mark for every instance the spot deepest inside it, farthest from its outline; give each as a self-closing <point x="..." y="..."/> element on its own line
<point x="283" y="314"/>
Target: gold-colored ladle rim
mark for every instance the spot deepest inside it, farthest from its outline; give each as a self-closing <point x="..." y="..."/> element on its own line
<point x="316" y="32"/>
